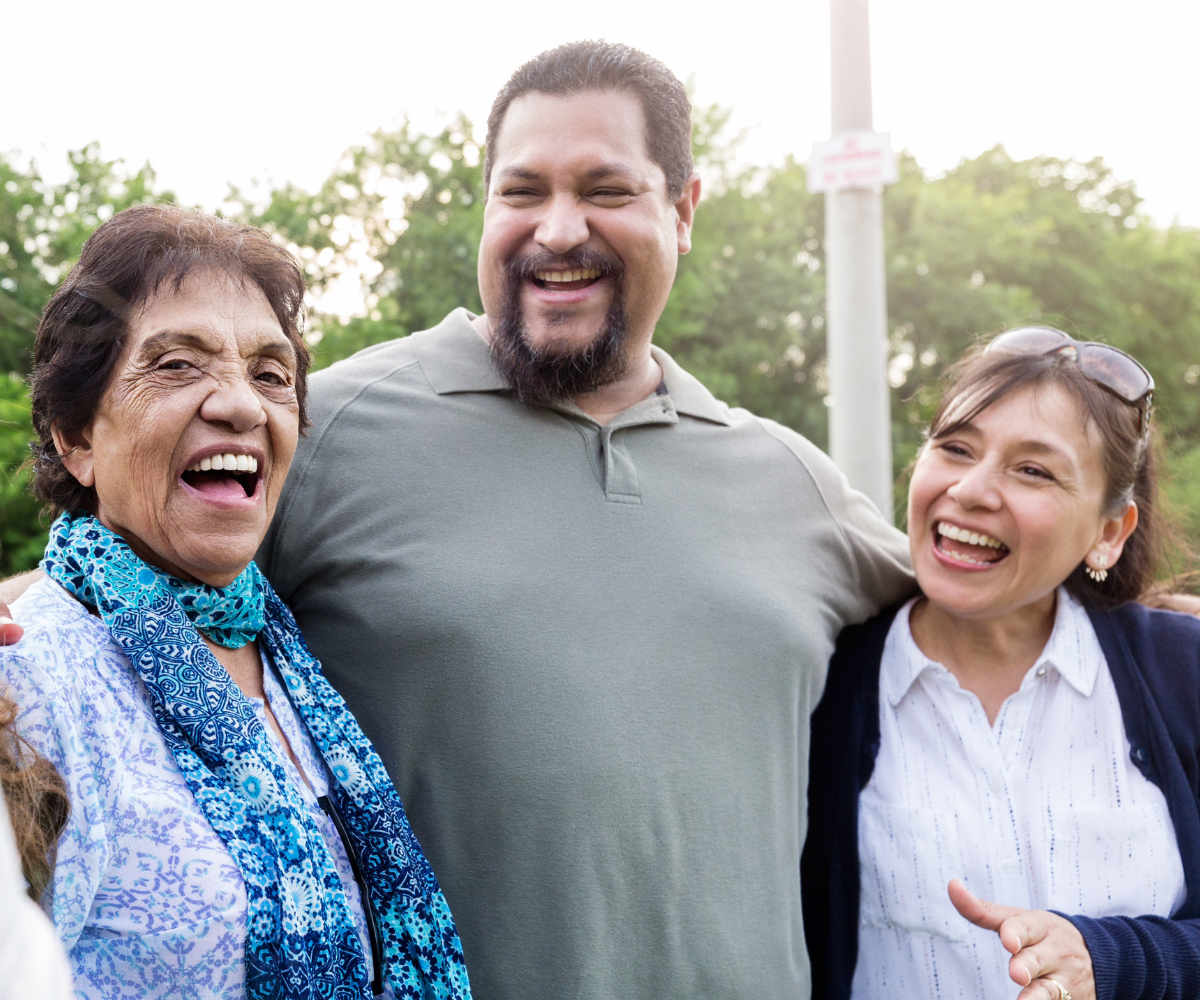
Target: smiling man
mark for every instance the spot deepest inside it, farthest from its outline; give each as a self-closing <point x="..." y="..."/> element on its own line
<point x="583" y="608"/>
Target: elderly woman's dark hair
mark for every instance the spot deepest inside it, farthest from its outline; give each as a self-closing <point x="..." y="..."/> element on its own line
<point x="1127" y="456"/>
<point x="83" y="331"/>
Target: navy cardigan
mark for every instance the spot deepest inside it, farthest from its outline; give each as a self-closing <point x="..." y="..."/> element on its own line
<point x="1154" y="659"/>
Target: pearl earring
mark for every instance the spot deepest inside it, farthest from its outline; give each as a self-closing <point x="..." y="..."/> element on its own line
<point x="1099" y="574"/>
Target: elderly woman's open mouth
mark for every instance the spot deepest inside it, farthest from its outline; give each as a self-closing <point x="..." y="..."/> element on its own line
<point x="224" y="476"/>
<point x="962" y="546"/>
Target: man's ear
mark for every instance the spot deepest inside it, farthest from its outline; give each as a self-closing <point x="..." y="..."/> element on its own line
<point x="685" y="209"/>
<point x="76" y="454"/>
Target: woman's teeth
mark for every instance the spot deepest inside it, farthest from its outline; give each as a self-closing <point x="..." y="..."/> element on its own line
<point x="562" y="276"/>
<point x="227" y="462"/>
<point x="969" y="537"/>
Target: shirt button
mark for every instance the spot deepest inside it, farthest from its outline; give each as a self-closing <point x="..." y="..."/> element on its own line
<point x="1008" y="866"/>
<point x="996" y="785"/>
<point x="1041" y="671"/>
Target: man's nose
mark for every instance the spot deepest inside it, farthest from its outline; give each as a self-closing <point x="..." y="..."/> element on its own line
<point x="234" y="403"/>
<point x="564" y="224"/>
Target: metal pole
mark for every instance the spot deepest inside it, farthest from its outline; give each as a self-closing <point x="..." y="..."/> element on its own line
<point x="860" y="427"/>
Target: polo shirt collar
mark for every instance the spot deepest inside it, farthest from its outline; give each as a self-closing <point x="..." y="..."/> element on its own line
<point x="455" y="358"/>
<point x="1072" y="650"/>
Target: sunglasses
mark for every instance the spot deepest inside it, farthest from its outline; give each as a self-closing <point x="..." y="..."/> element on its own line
<point x="1112" y="369"/>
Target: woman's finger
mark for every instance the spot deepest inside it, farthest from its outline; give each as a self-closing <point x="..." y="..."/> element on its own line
<point x="1028" y="965"/>
<point x="989" y="916"/>
<point x="1040" y="989"/>
<point x="1024" y="929"/>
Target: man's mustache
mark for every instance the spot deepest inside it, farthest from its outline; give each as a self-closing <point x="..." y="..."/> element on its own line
<point x="584" y="258"/>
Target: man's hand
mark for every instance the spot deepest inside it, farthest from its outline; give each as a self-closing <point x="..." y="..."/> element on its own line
<point x="10" y="590"/>
<point x="1187" y="603"/>
<point x="1046" y="949"/>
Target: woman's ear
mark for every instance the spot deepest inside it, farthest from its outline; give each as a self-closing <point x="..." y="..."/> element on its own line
<point x="1114" y="533"/>
<point x="76" y="454"/>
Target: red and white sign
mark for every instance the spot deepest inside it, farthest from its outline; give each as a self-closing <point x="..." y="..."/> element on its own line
<point x="852" y="160"/>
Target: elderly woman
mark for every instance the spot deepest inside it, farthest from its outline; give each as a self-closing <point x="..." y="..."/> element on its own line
<point x="1020" y="730"/>
<point x="232" y="832"/>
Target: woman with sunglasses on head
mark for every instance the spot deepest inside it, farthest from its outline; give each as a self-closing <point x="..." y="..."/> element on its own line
<point x="1005" y="770"/>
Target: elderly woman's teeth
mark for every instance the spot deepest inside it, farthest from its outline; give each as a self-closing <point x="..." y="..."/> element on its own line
<point x="225" y="463"/>
<point x="969" y="537"/>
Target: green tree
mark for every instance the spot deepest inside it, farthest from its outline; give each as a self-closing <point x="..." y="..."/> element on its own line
<point x="992" y="243"/>
<point x="42" y="229"/>
<point x="407" y="205"/>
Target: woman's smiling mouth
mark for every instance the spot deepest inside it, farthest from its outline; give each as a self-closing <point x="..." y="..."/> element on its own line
<point x="226" y="476"/>
<point x="967" y="548"/>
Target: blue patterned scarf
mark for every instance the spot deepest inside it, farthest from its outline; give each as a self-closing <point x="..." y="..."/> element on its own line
<point x="301" y="940"/>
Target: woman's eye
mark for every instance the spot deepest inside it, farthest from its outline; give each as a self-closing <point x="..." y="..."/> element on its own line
<point x="175" y="365"/>
<point x="1033" y="470"/>
<point x="271" y="378"/>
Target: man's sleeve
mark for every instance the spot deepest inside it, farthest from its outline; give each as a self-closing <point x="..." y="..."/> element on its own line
<point x="879" y="551"/>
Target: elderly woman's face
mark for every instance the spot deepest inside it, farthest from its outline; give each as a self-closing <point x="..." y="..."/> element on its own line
<point x="1002" y="512"/>
<point x="192" y="441"/>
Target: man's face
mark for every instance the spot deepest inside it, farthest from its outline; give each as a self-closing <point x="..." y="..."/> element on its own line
<point x="580" y="237"/>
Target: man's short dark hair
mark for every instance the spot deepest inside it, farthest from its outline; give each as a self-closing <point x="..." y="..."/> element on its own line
<point x="584" y="66"/>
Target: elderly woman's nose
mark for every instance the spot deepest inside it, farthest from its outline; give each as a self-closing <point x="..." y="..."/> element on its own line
<point x="235" y="403"/>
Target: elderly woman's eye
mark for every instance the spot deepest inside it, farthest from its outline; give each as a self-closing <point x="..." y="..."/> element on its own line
<point x="271" y="377"/>
<point x="175" y="365"/>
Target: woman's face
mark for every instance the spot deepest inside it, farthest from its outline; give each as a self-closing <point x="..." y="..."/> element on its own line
<point x="207" y="374"/>
<point x="1001" y="512"/>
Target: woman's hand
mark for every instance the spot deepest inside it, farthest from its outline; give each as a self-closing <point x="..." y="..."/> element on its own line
<point x="1046" y="949"/>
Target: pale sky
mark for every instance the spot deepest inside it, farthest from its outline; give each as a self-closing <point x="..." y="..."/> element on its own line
<point x="232" y="91"/>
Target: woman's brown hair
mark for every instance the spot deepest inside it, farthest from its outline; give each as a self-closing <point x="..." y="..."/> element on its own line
<point x="36" y="796"/>
<point x="1127" y="456"/>
<point x="84" y="327"/>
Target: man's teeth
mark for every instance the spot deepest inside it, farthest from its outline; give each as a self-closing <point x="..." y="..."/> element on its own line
<point x="583" y="275"/>
<point x="970" y="537"/>
<point x="227" y="462"/>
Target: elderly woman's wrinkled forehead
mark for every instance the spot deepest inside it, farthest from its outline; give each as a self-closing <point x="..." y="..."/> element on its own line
<point x="206" y="310"/>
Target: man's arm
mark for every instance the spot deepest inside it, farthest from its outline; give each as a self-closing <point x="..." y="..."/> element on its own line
<point x="10" y="590"/>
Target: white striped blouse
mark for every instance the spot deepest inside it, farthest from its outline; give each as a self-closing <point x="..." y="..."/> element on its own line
<point x="1043" y="810"/>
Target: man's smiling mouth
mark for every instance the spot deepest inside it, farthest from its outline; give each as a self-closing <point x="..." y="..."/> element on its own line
<point x="966" y="546"/>
<point x="228" y="476"/>
<point x="566" y="281"/>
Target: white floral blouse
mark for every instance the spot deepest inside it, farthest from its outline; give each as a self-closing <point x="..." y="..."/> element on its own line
<point x="146" y="898"/>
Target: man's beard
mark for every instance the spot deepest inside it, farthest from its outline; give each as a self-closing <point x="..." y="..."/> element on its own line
<point x="559" y="370"/>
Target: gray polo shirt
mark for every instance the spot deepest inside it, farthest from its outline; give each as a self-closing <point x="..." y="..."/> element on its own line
<point x="587" y="656"/>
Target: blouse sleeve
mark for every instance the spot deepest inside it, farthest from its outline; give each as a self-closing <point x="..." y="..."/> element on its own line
<point x="69" y="726"/>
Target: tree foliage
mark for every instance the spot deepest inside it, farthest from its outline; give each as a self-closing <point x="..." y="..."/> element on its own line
<point x="992" y="243"/>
